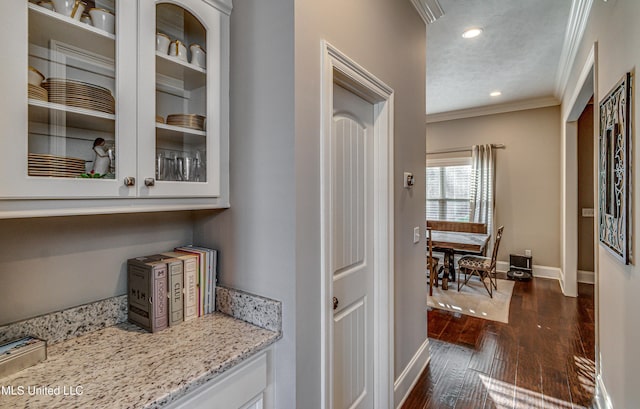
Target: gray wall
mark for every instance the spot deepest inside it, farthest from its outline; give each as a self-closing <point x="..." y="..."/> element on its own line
<point x="388" y="39"/>
<point x="48" y="264"/>
<point x="270" y="238"/>
<point x="256" y="236"/>
<point x="614" y="26"/>
<point x="527" y="175"/>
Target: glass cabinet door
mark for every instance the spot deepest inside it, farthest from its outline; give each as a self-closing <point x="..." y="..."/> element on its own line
<point x="181" y="95"/>
<point x="182" y="153"/>
<point x="69" y="107"/>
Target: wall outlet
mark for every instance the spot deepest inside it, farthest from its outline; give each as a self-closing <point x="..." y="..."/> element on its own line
<point x="416" y="235"/>
<point x="527" y="253"/>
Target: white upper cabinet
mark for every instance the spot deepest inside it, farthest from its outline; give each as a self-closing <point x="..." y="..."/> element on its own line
<point x="120" y="107"/>
<point x="183" y="74"/>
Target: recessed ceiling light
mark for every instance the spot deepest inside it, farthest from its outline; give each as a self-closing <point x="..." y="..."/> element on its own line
<point x="496" y="93"/>
<point x="472" y="32"/>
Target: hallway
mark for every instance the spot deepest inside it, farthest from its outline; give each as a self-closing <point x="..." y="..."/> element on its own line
<point x="544" y="357"/>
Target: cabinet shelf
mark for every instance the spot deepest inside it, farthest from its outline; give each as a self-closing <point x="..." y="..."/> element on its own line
<point x="171" y="134"/>
<point x="172" y="129"/>
<point x="40" y="111"/>
<point x="45" y="25"/>
<point x="192" y="76"/>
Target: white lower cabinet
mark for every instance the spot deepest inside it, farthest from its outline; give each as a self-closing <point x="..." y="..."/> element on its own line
<point x="257" y="403"/>
<point x="239" y="388"/>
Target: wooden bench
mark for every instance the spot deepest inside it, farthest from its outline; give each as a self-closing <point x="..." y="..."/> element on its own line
<point x="464" y="227"/>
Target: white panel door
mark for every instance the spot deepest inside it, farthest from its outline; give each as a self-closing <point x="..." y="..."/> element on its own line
<point x="351" y="236"/>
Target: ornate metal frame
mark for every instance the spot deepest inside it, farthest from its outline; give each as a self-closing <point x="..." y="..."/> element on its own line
<point x="614" y="166"/>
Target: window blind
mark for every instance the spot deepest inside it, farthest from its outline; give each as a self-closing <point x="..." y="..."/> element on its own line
<point x="448" y="189"/>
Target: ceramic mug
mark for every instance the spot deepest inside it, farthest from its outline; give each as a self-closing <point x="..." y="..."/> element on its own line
<point x="69" y="8"/>
<point x="162" y="43"/>
<point x="178" y="49"/>
<point x="103" y="19"/>
<point x="198" y="56"/>
<point x="86" y="19"/>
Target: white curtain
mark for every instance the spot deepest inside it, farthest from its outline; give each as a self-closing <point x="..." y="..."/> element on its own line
<point x="483" y="181"/>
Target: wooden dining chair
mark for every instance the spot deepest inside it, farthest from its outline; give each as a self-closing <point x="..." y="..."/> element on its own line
<point x="432" y="263"/>
<point x="482" y="267"/>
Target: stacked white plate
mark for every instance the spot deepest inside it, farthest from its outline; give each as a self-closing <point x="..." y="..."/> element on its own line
<point x="55" y="166"/>
<point x="36" y="92"/>
<point x="191" y="121"/>
<point x="80" y="95"/>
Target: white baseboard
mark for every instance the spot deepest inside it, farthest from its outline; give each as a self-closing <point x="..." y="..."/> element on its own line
<point x="538" y="271"/>
<point x="547" y="272"/>
<point x="561" y="281"/>
<point x="588" y="277"/>
<point x="602" y="397"/>
<point x="408" y="378"/>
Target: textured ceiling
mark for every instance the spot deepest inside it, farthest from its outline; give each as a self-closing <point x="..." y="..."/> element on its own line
<point x="518" y="53"/>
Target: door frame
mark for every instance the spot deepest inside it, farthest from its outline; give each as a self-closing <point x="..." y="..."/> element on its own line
<point x="340" y="69"/>
<point x="586" y="88"/>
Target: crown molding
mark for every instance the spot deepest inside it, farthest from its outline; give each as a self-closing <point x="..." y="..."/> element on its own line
<point x="578" y="17"/>
<point x="493" y="109"/>
<point x="429" y="10"/>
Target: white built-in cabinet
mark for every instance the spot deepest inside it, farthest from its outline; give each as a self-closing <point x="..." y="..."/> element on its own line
<point x="116" y="90"/>
<point x="242" y="387"/>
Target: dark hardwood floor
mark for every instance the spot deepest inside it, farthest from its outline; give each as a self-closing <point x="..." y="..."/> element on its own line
<point x="544" y="357"/>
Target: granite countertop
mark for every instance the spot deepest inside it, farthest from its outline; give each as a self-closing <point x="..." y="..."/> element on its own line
<point x="123" y="366"/>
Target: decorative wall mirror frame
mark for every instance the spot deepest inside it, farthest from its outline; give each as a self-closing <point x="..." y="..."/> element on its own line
<point x="614" y="171"/>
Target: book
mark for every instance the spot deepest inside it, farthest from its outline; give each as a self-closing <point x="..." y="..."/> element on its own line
<point x="147" y="288"/>
<point x="190" y="283"/>
<point x="212" y="278"/>
<point x="22" y="353"/>
<point x="175" y="287"/>
<point x="207" y="276"/>
<point x="215" y="277"/>
<point x="201" y="274"/>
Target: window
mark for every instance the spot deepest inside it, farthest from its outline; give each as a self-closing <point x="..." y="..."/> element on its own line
<point x="448" y="189"/>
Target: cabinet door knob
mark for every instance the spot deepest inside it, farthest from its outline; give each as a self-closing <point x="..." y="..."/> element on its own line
<point x="335" y="303"/>
<point x="129" y="181"/>
<point x="148" y="182"/>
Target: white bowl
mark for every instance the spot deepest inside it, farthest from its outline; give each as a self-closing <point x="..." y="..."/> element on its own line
<point x="103" y="19"/>
<point x="35" y="77"/>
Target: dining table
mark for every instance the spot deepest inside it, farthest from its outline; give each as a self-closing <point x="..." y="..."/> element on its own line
<point x="453" y="242"/>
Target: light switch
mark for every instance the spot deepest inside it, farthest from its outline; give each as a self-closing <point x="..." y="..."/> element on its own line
<point x="587" y="212"/>
<point x="416" y="235"/>
<point x="408" y="180"/>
